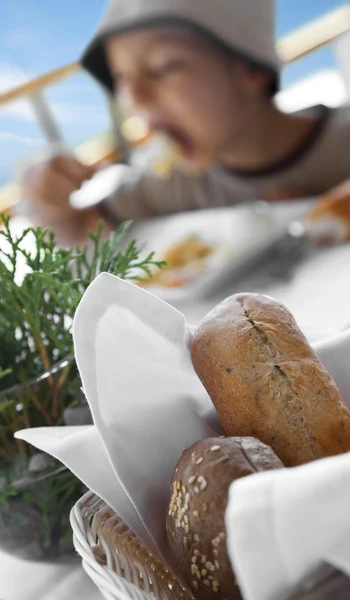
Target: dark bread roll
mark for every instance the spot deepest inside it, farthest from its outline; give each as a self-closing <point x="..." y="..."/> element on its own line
<point x="266" y="381"/>
<point x="195" y="521"/>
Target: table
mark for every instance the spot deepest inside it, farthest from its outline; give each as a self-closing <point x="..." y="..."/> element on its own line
<point x="318" y="295"/>
<point x="22" y="580"/>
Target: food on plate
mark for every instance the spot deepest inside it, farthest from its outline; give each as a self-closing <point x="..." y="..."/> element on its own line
<point x="329" y="220"/>
<point x="196" y="513"/>
<point x="267" y="382"/>
<point x="185" y="260"/>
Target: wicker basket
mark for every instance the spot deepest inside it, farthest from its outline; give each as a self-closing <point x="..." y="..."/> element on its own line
<point x="117" y="561"/>
<point x="123" y="568"/>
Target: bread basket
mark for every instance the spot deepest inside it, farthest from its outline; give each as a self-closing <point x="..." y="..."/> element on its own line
<point x="116" y="560"/>
<point x="123" y="568"/>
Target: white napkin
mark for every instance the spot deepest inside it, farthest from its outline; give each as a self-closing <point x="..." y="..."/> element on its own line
<point x="283" y="525"/>
<point x="132" y="350"/>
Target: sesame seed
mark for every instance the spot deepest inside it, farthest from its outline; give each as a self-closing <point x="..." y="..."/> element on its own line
<point x="196" y="490"/>
<point x="215" y="588"/>
<point x="204" y="572"/>
<point x="196" y="538"/>
<point x="198" y="574"/>
<point x="192" y="479"/>
<point x="187" y="529"/>
<point x="203" y="559"/>
<point x="186" y="519"/>
<point x="178" y="486"/>
<point x="203" y="485"/>
<point x="177" y="470"/>
<point x="185" y="541"/>
<point x="206" y="582"/>
<point x="195" y="585"/>
<point x="180" y="494"/>
<point x="222" y="535"/>
<point x="194" y="454"/>
<point x="215" y="552"/>
<point x="187" y="498"/>
<point x="194" y="559"/>
<point x="210" y="566"/>
<point x="217" y="564"/>
<point x="184" y="490"/>
<point x="195" y="513"/>
<point x="215" y="582"/>
<point x="170" y="513"/>
<point x="193" y="569"/>
<point x="196" y="552"/>
<point x="215" y="448"/>
<point x="199" y="461"/>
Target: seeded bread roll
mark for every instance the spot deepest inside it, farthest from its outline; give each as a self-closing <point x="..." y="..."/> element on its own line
<point x="195" y="521"/>
<point x="266" y="381"/>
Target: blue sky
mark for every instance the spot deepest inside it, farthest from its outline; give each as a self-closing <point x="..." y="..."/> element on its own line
<point x="40" y="35"/>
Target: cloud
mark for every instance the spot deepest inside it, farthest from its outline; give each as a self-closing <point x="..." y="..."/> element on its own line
<point x="11" y="76"/>
<point x="323" y="87"/>
<point x="14" y="137"/>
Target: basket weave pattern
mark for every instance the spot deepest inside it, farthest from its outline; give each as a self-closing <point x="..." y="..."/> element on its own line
<point x="115" y="558"/>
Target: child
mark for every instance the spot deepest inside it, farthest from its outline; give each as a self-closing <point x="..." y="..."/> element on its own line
<point x="204" y="72"/>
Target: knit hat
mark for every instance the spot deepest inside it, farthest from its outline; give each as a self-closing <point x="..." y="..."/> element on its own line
<point x="244" y="27"/>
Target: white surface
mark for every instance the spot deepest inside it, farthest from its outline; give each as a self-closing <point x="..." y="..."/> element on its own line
<point x="22" y="580"/>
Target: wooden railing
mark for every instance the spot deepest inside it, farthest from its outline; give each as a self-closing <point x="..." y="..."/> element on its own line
<point x="293" y="46"/>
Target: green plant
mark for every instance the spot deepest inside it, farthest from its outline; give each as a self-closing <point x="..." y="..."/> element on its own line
<point x="41" y="286"/>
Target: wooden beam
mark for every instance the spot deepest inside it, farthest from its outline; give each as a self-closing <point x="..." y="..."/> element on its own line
<point x="34" y="85"/>
<point x="308" y="38"/>
<point x="314" y="35"/>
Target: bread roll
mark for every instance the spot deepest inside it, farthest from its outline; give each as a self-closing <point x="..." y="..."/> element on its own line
<point x="195" y="522"/>
<point x="266" y="381"/>
<point x="168" y="156"/>
<point x="328" y="222"/>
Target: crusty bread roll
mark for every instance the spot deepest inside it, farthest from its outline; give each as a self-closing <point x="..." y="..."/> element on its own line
<point x="195" y="521"/>
<point x="266" y="381"/>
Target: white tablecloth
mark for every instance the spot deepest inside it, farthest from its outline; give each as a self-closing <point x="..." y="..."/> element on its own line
<point x="22" y="580"/>
<point x="318" y="295"/>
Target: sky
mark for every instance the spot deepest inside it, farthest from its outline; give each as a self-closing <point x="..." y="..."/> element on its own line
<point x="40" y="35"/>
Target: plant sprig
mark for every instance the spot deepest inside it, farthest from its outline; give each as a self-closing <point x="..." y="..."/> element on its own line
<point x="37" y="308"/>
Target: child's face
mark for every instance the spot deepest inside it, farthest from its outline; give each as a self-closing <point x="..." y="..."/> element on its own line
<point x="182" y="84"/>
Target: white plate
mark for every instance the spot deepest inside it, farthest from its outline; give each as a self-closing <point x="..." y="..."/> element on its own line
<point x="238" y="234"/>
